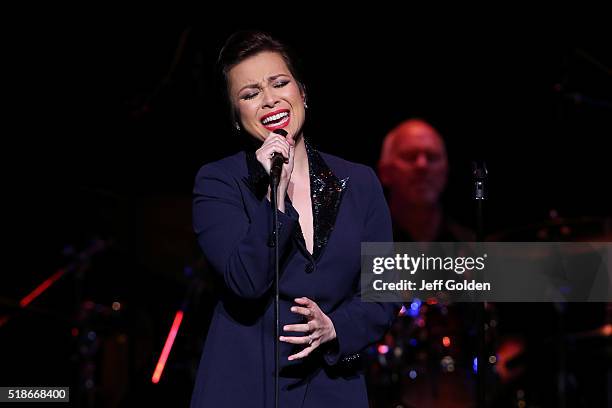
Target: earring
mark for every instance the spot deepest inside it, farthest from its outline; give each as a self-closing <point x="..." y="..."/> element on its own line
<point x="237" y="126"/>
<point x="305" y="105"/>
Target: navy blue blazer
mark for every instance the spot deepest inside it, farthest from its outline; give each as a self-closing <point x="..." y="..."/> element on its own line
<point x="233" y="221"/>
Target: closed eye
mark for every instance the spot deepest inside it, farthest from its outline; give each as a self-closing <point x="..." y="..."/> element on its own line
<point x="249" y="95"/>
<point x="280" y="84"/>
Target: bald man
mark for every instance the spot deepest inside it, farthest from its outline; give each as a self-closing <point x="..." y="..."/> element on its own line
<point x="414" y="168"/>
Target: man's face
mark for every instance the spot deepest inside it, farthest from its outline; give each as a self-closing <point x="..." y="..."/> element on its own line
<point x="417" y="169"/>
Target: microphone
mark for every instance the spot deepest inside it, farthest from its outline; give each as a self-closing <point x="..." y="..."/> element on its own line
<point x="277" y="161"/>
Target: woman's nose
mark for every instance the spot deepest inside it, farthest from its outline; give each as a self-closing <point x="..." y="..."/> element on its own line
<point x="269" y="97"/>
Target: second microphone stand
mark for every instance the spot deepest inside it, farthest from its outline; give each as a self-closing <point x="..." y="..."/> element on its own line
<point x="479" y="173"/>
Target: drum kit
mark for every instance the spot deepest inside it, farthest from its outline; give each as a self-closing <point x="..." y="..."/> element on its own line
<point x="573" y="339"/>
<point x="114" y="299"/>
<point x="428" y="357"/>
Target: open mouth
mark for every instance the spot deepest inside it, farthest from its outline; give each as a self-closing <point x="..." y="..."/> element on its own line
<point x="276" y="120"/>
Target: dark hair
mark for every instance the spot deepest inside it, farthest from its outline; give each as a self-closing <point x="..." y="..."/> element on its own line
<point x="244" y="44"/>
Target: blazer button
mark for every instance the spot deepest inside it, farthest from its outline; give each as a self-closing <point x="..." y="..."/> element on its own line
<point x="309" y="268"/>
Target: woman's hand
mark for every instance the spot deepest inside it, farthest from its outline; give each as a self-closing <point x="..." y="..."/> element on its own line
<point x="275" y="143"/>
<point x="319" y="328"/>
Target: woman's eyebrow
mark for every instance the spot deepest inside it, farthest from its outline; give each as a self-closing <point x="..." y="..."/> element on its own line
<point x="248" y="86"/>
<point x="273" y="77"/>
<point x="270" y="79"/>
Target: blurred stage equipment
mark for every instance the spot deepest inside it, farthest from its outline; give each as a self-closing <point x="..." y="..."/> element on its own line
<point x="194" y="290"/>
<point x="80" y="263"/>
<point x="580" y="336"/>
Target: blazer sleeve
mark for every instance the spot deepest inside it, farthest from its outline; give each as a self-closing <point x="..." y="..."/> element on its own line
<point x="359" y="324"/>
<point x="238" y="246"/>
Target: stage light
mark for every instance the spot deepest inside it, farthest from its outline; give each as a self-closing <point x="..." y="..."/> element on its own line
<point x="161" y="363"/>
<point x="41" y="288"/>
<point x="383" y="349"/>
<point x="446" y="341"/>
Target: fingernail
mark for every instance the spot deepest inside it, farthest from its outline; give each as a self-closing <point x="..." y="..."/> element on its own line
<point x="293" y="309"/>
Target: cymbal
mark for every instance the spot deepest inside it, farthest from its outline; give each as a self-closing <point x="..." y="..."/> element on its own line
<point x="580" y="229"/>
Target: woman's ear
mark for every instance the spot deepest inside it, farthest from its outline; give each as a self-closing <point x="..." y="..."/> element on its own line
<point x="303" y="92"/>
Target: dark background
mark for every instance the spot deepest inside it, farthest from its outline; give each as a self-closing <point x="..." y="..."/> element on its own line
<point x="113" y="117"/>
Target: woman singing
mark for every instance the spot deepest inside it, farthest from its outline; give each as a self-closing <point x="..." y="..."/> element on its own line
<point x="327" y="207"/>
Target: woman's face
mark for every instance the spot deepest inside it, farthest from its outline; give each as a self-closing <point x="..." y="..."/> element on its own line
<point x="266" y="96"/>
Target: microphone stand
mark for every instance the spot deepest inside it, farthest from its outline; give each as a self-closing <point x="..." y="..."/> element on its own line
<point x="479" y="173"/>
<point x="274" y="201"/>
<point x="275" y="173"/>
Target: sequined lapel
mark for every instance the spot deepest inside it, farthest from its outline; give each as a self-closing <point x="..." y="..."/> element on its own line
<point x="258" y="179"/>
<point x="326" y="194"/>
